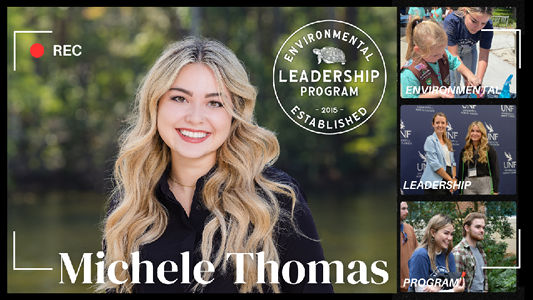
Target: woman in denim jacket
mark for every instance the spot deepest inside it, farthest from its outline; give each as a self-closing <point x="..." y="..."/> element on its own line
<point x="439" y="174"/>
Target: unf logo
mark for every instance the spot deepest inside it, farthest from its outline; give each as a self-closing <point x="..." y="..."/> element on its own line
<point x="508" y="111"/>
<point x="509" y="164"/>
<point x="404" y="132"/>
<point x="421" y="166"/>
<point x="507" y="108"/>
<point x="491" y="135"/>
<point x="452" y="135"/>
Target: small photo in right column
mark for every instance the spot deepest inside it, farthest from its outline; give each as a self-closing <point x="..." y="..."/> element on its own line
<point x="458" y="52"/>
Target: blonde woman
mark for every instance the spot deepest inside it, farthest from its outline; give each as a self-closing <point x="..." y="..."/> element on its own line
<point x="194" y="182"/>
<point x="479" y="163"/>
<point x="434" y="256"/>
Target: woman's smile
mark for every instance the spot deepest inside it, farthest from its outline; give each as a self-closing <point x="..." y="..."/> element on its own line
<point x="192" y="119"/>
<point x="439" y="124"/>
<point x="475" y="134"/>
<point x="197" y="136"/>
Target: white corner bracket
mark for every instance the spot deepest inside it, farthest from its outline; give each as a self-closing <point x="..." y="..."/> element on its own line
<point x="519" y="261"/>
<point x="15" y="43"/>
<point x="519" y="43"/>
<point x="25" y="269"/>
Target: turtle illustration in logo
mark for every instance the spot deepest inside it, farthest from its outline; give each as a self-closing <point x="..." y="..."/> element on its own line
<point x="330" y="55"/>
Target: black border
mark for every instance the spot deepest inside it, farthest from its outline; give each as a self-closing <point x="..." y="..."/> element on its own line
<point x="520" y="24"/>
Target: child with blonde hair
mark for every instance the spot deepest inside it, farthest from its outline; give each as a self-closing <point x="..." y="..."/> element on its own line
<point x="426" y="74"/>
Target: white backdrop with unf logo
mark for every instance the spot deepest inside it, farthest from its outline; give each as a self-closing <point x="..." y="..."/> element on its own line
<point x="415" y="126"/>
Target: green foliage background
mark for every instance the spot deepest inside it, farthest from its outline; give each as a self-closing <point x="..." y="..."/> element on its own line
<point x="65" y="113"/>
<point x="500" y="280"/>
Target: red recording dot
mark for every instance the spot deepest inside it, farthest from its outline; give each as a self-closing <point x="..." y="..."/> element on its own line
<point x="37" y="50"/>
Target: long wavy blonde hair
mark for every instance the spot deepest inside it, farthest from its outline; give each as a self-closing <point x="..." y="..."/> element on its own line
<point x="243" y="203"/>
<point x="436" y="223"/>
<point x="483" y="145"/>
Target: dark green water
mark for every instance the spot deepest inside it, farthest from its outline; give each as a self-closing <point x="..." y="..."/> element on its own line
<point x="359" y="228"/>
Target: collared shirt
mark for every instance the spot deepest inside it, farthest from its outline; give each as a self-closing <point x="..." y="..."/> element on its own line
<point x="183" y="234"/>
<point x="466" y="262"/>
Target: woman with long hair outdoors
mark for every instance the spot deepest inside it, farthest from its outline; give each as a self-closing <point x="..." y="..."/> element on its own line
<point x="434" y="256"/>
<point x="194" y="183"/>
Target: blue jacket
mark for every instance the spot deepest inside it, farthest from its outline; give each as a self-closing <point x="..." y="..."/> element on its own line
<point x="434" y="160"/>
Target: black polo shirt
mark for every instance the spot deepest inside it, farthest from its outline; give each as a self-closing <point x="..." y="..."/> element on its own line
<point x="183" y="236"/>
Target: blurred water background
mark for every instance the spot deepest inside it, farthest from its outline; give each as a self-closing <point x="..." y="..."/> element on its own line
<point x="68" y="222"/>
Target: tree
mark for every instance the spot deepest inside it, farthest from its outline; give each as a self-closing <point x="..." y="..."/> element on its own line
<point x="65" y="113"/>
<point x="500" y="280"/>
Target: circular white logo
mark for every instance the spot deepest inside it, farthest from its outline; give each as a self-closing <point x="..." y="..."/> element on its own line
<point x="329" y="77"/>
